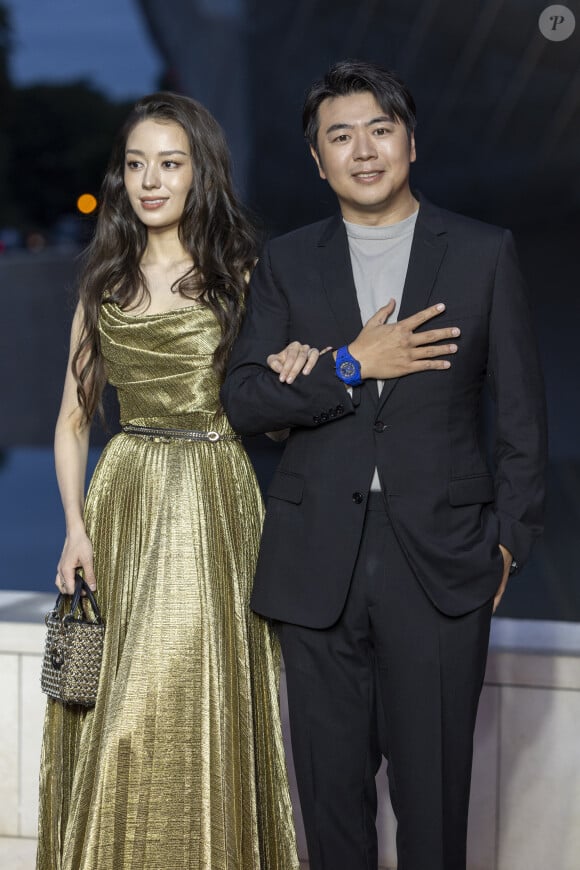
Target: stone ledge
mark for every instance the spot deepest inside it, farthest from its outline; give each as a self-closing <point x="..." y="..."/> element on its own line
<point x="22" y="620"/>
<point x="535" y="636"/>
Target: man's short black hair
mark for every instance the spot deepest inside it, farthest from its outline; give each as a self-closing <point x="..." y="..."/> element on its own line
<point x="354" y="77"/>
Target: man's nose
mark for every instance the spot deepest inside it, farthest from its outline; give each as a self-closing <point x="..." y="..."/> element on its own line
<point x="151" y="177"/>
<point x="364" y="146"/>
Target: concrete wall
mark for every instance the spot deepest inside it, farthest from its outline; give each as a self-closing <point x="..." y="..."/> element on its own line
<point x="525" y="811"/>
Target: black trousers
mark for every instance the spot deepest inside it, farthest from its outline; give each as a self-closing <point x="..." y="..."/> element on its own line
<point x="392" y="677"/>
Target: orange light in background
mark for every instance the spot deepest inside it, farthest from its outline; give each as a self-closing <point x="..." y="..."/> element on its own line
<point x="86" y="203"/>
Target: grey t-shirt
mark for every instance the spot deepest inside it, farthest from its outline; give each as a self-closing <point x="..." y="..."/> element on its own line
<point x="380" y="258"/>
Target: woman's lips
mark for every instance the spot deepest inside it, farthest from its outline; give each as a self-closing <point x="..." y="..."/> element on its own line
<point x="152" y="204"/>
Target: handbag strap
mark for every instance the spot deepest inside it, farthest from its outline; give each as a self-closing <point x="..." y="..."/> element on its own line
<point x="81" y="587"/>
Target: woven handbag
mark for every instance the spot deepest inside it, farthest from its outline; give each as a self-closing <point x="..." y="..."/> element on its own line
<point x="73" y="648"/>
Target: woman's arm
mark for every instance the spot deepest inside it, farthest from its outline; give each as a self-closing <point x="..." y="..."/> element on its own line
<point x="71" y="444"/>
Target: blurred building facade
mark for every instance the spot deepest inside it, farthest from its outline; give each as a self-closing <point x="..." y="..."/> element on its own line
<point x="498" y="107"/>
<point x="498" y="138"/>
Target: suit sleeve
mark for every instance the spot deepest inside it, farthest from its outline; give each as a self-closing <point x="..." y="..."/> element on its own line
<point x="253" y="397"/>
<point x="517" y="387"/>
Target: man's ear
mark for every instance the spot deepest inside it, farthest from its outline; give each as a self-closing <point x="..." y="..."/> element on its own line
<point x="412" y="148"/>
<point x="316" y="157"/>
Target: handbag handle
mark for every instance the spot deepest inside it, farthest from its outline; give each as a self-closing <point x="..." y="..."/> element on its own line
<point x="80" y="587"/>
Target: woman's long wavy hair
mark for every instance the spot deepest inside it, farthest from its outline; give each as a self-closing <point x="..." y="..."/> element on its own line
<point x="214" y="229"/>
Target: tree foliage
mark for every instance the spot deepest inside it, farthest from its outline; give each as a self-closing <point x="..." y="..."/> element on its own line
<point x="5" y="42"/>
<point x="60" y="138"/>
<point x="54" y="144"/>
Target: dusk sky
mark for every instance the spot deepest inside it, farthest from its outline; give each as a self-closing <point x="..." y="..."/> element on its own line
<point x="104" y="42"/>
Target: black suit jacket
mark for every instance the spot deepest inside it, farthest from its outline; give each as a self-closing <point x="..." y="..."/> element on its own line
<point x="449" y="510"/>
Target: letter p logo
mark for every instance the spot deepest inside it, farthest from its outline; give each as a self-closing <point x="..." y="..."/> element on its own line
<point x="557" y="23"/>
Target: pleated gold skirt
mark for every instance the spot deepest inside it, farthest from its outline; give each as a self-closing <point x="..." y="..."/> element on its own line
<point x="180" y="765"/>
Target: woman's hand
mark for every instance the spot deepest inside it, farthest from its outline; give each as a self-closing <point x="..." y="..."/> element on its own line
<point x="295" y="359"/>
<point x="77" y="553"/>
<point x="279" y="435"/>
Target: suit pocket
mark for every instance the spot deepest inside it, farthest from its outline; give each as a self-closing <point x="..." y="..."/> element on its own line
<point x="471" y="490"/>
<point x="286" y="486"/>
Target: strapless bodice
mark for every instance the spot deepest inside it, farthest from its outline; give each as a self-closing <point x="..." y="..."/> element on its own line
<point x="161" y="366"/>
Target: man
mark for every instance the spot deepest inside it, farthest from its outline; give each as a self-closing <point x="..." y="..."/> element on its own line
<point x="387" y="539"/>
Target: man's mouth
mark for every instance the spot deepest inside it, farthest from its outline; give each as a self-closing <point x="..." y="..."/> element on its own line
<point x="371" y="175"/>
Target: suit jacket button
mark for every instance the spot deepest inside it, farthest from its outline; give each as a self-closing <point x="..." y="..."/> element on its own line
<point x="324" y="417"/>
<point x="316" y="420"/>
<point x="379" y="426"/>
<point x="358" y="497"/>
<point x="339" y="409"/>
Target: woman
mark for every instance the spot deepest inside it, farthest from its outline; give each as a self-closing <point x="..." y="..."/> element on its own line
<point x="180" y="764"/>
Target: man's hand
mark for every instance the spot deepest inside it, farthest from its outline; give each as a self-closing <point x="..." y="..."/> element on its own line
<point x="391" y="350"/>
<point x="507" y="563"/>
<point x="296" y="358"/>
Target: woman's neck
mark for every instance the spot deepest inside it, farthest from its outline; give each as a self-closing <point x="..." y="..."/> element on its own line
<point x="165" y="250"/>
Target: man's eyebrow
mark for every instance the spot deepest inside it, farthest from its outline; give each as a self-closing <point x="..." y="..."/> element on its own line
<point x="381" y="119"/>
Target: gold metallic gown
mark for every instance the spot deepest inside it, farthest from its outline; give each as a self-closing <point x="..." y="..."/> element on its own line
<point x="180" y="766"/>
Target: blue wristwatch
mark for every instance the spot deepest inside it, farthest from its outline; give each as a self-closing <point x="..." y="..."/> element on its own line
<point x="347" y="367"/>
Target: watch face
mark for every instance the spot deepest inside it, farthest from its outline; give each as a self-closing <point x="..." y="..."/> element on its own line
<point x="347" y="369"/>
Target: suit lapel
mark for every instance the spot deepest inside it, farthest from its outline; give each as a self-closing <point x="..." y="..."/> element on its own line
<point x="427" y="252"/>
<point x="338" y="283"/>
<point x="337" y="279"/>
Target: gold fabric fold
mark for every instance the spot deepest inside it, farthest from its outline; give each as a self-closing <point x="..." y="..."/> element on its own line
<point x="180" y="765"/>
